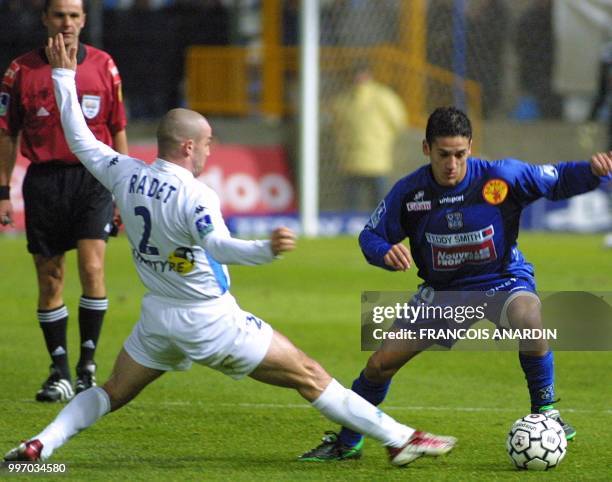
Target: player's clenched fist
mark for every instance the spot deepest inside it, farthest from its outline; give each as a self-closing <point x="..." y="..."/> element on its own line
<point x="282" y="239"/>
<point x="398" y="257"/>
<point x="601" y="163"/>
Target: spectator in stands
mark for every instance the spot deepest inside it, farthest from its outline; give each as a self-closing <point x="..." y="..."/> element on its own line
<point x="366" y="120"/>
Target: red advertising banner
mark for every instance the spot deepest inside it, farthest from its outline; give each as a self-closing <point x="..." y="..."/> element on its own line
<point x="249" y="180"/>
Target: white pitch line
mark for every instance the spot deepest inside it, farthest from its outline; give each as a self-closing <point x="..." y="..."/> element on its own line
<point x="264" y="406"/>
<point x="413" y="408"/>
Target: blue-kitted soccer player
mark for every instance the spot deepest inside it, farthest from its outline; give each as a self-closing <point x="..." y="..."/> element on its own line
<point x="461" y="217"/>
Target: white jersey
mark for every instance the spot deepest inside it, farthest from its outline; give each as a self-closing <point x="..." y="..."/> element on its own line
<point x="180" y="243"/>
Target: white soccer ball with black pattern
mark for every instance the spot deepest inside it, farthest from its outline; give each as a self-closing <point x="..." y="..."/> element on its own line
<point x="536" y="442"/>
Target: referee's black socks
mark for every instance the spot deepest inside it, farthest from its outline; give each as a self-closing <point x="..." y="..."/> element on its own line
<point x="91" y="316"/>
<point x="53" y="324"/>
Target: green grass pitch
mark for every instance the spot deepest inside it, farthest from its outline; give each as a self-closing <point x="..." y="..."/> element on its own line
<point x="201" y="425"/>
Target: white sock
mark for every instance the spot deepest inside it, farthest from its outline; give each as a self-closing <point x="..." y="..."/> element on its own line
<point x="345" y="407"/>
<point x="82" y="412"/>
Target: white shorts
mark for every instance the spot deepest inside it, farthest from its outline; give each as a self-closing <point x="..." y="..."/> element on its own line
<point x="171" y="334"/>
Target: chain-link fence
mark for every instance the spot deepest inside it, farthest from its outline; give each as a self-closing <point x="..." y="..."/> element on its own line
<point x="494" y="58"/>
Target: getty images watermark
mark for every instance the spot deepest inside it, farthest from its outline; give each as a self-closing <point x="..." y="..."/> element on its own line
<point x="482" y="321"/>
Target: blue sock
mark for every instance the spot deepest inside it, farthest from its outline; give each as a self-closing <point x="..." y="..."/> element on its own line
<point x="373" y="393"/>
<point x="540" y="375"/>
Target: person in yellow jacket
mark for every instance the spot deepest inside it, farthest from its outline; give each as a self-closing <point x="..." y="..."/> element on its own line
<point x="366" y="121"/>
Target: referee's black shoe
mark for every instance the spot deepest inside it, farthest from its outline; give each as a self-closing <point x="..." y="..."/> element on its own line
<point x="55" y="388"/>
<point x="86" y="376"/>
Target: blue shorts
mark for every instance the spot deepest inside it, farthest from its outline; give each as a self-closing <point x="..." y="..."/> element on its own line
<point x="445" y="309"/>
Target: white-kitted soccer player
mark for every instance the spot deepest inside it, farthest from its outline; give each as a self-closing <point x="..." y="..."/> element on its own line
<point x="180" y="246"/>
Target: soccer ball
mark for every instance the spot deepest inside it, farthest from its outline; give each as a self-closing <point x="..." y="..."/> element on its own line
<point x="536" y="442"/>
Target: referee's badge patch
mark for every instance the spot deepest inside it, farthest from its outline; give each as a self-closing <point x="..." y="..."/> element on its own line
<point x="5" y="100"/>
<point x="90" y="105"/>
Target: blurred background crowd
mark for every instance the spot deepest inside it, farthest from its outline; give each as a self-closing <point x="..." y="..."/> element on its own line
<point x="545" y="64"/>
<point x="509" y="47"/>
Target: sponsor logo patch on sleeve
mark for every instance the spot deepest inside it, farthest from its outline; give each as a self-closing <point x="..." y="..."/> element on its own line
<point x="5" y="100"/>
<point x="204" y="225"/>
<point x="112" y="68"/>
<point x="548" y="170"/>
<point x="378" y="213"/>
<point x="9" y="75"/>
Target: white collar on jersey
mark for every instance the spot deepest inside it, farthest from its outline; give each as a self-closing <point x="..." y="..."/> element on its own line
<point x="181" y="172"/>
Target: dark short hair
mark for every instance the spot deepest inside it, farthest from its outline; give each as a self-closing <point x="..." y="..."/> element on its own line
<point x="447" y="122"/>
<point x="48" y="4"/>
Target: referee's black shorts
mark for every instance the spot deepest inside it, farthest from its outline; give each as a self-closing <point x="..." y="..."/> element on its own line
<point x="63" y="204"/>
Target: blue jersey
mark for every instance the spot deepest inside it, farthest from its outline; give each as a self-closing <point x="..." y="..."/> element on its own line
<point x="466" y="235"/>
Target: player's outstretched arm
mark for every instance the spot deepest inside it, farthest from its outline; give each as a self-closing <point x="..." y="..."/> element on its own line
<point x="228" y="250"/>
<point x="399" y="257"/>
<point x="601" y="163"/>
<point x="94" y="155"/>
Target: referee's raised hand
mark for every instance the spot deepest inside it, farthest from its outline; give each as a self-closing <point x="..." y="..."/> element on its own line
<point x="57" y="55"/>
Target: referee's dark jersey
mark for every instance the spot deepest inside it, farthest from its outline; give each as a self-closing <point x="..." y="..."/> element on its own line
<point x="63" y="202"/>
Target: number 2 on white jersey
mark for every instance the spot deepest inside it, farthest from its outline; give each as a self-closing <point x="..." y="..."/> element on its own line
<point x="144" y="246"/>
